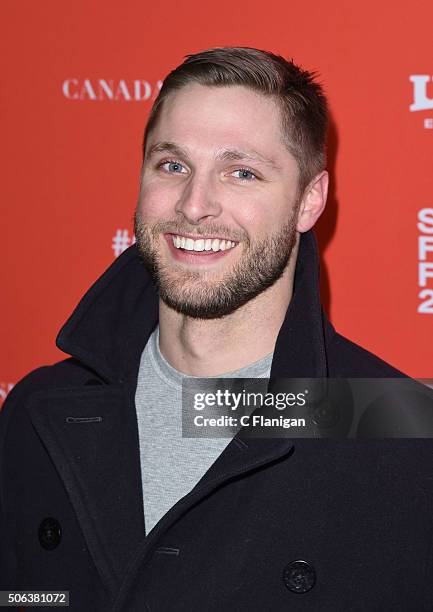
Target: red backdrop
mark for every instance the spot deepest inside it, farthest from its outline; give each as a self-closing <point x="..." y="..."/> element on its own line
<point x="78" y="81"/>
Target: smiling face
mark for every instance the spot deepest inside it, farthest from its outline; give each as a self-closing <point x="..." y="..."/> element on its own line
<point x="218" y="208"/>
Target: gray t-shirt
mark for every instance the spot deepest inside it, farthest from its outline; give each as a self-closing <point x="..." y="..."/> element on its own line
<point x="171" y="465"/>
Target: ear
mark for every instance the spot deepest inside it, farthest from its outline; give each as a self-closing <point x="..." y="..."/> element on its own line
<point x="313" y="202"/>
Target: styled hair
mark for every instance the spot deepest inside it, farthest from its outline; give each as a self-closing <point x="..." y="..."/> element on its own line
<point x="300" y="97"/>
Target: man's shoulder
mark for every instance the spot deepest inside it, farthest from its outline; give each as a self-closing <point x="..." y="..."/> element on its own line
<point x="62" y="374"/>
<point x="69" y="372"/>
<point x="348" y="359"/>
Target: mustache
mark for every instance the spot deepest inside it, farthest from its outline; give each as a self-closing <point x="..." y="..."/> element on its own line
<point x="206" y="229"/>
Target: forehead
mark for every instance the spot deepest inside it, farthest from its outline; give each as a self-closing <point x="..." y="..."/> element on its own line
<point x="215" y="117"/>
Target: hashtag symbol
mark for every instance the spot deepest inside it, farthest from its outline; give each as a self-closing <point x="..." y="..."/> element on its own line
<point x="121" y="241"/>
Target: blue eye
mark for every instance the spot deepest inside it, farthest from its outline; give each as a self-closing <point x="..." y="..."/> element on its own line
<point x="173" y="167"/>
<point x="245" y="175"/>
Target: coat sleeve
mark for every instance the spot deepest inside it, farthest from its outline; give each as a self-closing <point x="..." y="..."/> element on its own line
<point x="7" y="553"/>
<point x="13" y="404"/>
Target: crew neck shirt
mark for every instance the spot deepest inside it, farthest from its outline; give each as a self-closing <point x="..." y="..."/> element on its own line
<point x="172" y="465"/>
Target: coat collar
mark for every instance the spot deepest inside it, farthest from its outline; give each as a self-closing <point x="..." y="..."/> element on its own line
<point x="112" y="323"/>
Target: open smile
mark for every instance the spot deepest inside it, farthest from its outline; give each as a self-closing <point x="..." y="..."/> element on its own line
<point x="203" y="250"/>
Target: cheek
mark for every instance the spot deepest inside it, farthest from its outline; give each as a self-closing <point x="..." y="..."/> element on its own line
<point x="155" y="203"/>
<point x="268" y="214"/>
<point x="256" y="216"/>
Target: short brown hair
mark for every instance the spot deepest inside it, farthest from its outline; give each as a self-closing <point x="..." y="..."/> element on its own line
<point x="301" y="99"/>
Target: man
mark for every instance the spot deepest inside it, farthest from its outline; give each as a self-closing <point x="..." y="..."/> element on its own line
<point x="100" y="494"/>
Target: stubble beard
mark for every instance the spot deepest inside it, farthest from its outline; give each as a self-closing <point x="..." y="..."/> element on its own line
<point x="199" y="293"/>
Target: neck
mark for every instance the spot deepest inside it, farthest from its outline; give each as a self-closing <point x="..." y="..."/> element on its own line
<point x="209" y="347"/>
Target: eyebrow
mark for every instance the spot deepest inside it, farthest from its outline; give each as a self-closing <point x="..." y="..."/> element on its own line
<point x="222" y="155"/>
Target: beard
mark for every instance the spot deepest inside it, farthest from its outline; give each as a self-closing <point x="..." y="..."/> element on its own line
<point x="201" y="294"/>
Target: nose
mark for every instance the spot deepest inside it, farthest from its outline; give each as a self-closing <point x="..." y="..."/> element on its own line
<point x="198" y="200"/>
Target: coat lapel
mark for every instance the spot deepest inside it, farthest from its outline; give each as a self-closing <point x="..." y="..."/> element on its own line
<point x="92" y="440"/>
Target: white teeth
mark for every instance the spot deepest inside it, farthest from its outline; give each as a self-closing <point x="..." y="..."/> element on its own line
<point x="201" y="244"/>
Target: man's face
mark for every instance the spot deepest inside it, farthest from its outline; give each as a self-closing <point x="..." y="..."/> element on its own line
<point x="216" y="170"/>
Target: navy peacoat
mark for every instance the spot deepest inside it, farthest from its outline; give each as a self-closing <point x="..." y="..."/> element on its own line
<point x="275" y="524"/>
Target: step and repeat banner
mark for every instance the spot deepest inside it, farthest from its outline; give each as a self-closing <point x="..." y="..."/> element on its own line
<point x="78" y="82"/>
